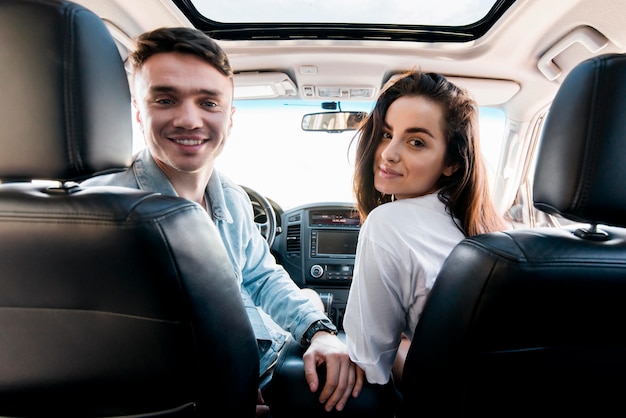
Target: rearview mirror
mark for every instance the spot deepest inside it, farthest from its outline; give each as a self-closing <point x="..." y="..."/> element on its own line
<point x="333" y="121"/>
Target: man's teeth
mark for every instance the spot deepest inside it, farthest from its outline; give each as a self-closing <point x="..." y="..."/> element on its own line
<point x="189" y="141"/>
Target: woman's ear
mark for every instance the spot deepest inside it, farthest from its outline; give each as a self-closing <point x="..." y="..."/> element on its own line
<point x="450" y="169"/>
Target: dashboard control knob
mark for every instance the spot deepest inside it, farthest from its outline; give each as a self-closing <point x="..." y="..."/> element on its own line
<point x="317" y="271"/>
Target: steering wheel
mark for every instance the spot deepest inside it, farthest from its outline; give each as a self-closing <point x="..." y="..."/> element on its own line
<point x="264" y="215"/>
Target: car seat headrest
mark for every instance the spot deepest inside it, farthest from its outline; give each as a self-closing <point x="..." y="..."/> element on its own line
<point x="65" y="111"/>
<point x="580" y="168"/>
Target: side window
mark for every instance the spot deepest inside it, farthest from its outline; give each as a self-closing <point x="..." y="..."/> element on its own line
<point x="492" y="122"/>
<point x="523" y="212"/>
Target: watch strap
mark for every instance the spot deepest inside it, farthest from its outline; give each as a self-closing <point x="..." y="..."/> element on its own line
<point x="319" y="325"/>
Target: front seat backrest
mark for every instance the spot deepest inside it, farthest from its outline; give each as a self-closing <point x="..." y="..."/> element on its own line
<point x="531" y="322"/>
<point x="113" y="301"/>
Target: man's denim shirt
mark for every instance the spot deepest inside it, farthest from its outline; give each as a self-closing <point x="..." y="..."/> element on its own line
<point x="263" y="282"/>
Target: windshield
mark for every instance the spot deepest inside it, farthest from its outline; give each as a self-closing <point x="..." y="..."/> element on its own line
<point x="269" y="152"/>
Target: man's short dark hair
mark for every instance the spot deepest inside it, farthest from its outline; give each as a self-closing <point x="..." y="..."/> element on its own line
<point x="183" y="40"/>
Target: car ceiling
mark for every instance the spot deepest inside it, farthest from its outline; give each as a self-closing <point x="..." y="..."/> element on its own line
<point x="502" y="65"/>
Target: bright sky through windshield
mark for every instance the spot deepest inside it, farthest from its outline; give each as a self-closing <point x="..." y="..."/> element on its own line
<point x="268" y="151"/>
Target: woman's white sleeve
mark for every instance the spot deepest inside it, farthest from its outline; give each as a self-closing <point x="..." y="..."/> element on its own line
<point x="376" y="309"/>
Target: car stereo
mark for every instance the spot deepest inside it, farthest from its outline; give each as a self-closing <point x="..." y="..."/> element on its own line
<point x="333" y="236"/>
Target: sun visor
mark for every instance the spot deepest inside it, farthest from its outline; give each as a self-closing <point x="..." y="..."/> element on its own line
<point x="263" y="85"/>
<point x="487" y="91"/>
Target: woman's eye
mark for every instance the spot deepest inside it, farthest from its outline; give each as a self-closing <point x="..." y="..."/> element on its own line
<point x="416" y="143"/>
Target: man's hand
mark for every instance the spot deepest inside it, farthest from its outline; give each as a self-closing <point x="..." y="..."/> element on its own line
<point x="343" y="377"/>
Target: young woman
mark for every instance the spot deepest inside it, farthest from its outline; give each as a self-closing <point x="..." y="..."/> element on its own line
<point x="421" y="187"/>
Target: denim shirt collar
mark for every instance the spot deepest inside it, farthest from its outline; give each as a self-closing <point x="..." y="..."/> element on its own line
<point x="150" y="177"/>
<point x="215" y="195"/>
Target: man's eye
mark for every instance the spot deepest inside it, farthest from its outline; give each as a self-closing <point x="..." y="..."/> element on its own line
<point x="164" y="101"/>
<point x="209" y="104"/>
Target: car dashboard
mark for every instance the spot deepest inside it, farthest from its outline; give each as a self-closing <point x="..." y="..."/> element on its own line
<point x="317" y="247"/>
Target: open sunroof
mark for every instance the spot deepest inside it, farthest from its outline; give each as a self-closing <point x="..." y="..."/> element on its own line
<point x="402" y="20"/>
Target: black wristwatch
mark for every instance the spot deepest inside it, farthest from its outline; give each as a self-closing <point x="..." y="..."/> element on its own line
<point x="319" y="325"/>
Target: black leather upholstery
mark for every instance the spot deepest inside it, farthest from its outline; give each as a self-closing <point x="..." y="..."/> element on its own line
<point x="581" y="167"/>
<point x="113" y="302"/>
<point x="530" y="322"/>
<point x="66" y="107"/>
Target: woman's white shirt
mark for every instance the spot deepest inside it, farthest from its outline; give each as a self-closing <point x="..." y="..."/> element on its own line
<point x="401" y="248"/>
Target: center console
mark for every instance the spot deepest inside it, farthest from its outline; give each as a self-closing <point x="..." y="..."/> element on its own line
<point x="317" y="247"/>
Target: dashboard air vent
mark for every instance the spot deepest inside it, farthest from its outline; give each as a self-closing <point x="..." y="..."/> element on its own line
<point x="293" y="238"/>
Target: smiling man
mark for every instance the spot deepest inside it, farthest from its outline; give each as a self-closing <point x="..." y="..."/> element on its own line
<point x="183" y="100"/>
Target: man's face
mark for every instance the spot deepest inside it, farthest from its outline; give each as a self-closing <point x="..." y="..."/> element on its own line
<point x="184" y="108"/>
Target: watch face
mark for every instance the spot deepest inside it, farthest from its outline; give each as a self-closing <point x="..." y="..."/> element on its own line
<point x="327" y="325"/>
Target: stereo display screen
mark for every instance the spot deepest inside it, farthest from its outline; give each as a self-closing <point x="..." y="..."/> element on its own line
<point x="336" y="242"/>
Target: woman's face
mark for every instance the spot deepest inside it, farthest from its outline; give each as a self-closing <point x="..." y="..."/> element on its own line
<point x="410" y="157"/>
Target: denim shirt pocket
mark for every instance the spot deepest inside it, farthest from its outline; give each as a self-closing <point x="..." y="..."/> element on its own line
<point x="269" y="341"/>
<point x="269" y="351"/>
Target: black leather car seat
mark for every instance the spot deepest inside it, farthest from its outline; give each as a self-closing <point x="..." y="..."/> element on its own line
<point x="113" y="302"/>
<point x="531" y="322"/>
